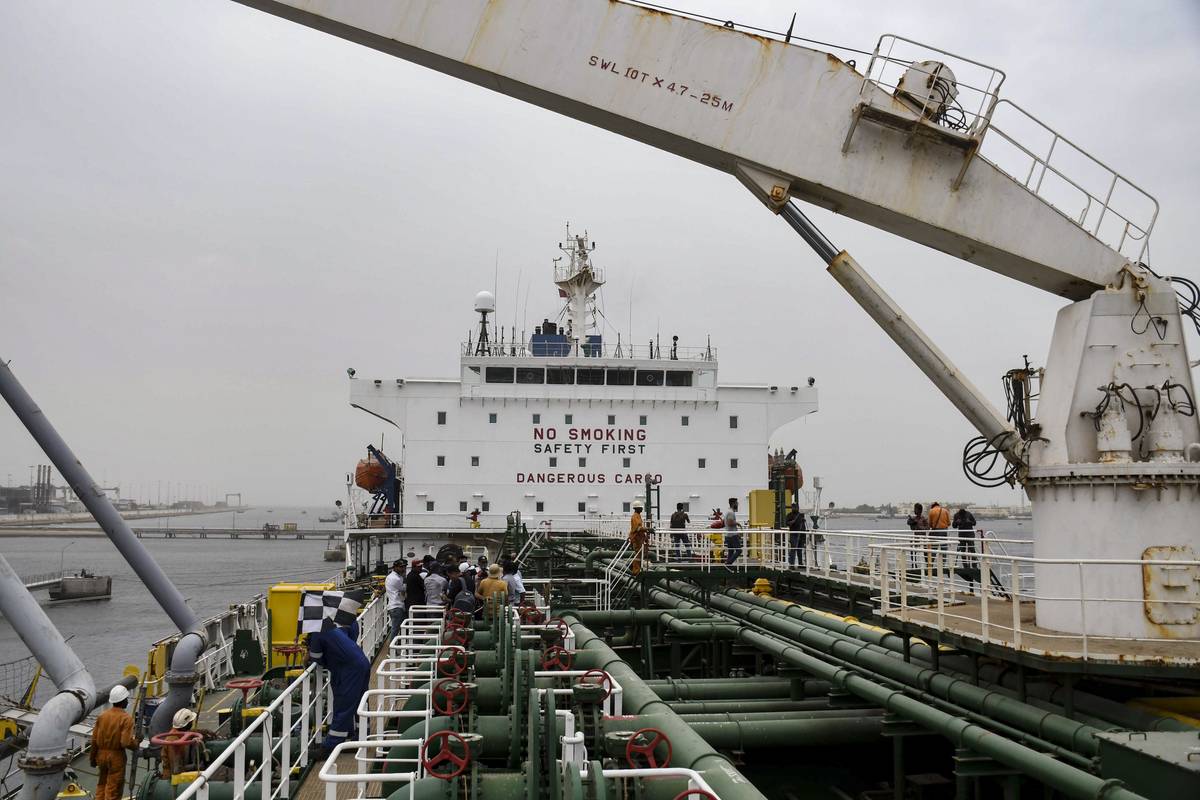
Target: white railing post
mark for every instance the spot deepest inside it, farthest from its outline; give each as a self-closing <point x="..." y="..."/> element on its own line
<point x="285" y="752"/>
<point x="239" y="771"/>
<point x="305" y="716"/>
<point x="268" y="746"/>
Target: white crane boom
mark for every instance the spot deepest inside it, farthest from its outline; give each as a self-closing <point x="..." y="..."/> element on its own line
<point x="779" y="114"/>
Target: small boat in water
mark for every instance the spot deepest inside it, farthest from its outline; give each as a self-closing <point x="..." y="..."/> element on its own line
<point x="82" y="586"/>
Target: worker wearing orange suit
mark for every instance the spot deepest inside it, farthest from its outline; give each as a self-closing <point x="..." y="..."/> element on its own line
<point x="637" y="539"/>
<point x="939" y="521"/>
<point x="111" y="737"/>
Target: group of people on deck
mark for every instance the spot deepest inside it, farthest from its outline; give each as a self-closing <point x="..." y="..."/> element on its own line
<point x="938" y="524"/>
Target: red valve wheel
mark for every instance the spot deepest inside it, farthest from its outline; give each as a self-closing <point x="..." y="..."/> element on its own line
<point x="600" y="677"/>
<point x="449" y="697"/>
<point x="531" y="615"/>
<point x="459" y="618"/>
<point x="456" y="635"/>
<point x="446" y="741"/>
<point x="644" y="743"/>
<point x="452" y="663"/>
<point x="558" y="658"/>
<point x="558" y="622"/>
<point x="177" y="738"/>
<point x="686" y="793"/>
<point x="246" y="685"/>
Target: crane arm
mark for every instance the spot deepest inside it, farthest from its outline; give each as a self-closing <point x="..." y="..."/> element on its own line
<point x="789" y="121"/>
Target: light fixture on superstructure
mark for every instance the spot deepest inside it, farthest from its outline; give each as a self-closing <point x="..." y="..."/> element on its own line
<point x="485" y="303"/>
<point x="577" y="281"/>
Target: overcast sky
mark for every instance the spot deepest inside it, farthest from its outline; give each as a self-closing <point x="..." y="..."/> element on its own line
<point x="208" y="214"/>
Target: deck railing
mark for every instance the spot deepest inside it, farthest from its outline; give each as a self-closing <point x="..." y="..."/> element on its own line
<point x="304" y="708"/>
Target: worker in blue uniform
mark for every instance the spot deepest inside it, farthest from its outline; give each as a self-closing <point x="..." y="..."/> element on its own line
<point x="336" y="649"/>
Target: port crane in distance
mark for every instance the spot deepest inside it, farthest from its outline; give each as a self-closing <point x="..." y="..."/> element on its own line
<point x="902" y="142"/>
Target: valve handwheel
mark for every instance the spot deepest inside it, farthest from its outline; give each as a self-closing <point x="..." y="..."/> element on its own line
<point x="597" y="677"/>
<point x="558" y="622"/>
<point x="449" y="697"/>
<point x="246" y="685"/>
<point x="289" y="651"/>
<point x="452" y="662"/>
<point x="557" y="658"/>
<point x="447" y="742"/>
<point x="459" y="618"/>
<point x="686" y="793"/>
<point x="531" y="615"/>
<point x="456" y="634"/>
<point x="644" y="743"/>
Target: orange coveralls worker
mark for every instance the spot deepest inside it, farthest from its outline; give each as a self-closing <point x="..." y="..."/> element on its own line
<point x="111" y="737"/>
<point x="637" y="540"/>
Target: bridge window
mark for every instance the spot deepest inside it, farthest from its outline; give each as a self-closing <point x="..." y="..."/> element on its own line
<point x="492" y="418"/>
<point x="701" y="464"/>
<point x="441" y="418"/>
<point x="429" y="505"/>
<point x="582" y="507"/>
<point x="733" y="422"/>
<point x="441" y="461"/>
<point x="560" y="375"/>
<point x="537" y="419"/>
<point x="679" y="377"/>
<point x="486" y="505"/>
<point x="649" y="377"/>
<point x="474" y="461"/>
<point x="583" y="462"/>
<point x="684" y="421"/>
<point x="540" y="506"/>
<point x="619" y="377"/>
<point x="733" y="463"/>
<point x="531" y="375"/>
<point x="568" y="419"/>
<point x="625" y="462"/>
<point x="642" y="419"/>
<point x="625" y="507"/>
<point x="554" y="461"/>
<point x="589" y="377"/>
<point x="462" y="505"/>
<point x="498" y="375"/>
<point x="612" y="419"/>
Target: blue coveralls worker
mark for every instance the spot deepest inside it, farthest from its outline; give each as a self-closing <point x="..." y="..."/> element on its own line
<point x="349" y="668"/>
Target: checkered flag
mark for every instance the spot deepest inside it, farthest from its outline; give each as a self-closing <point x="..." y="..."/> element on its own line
<point x="320" y="609"/>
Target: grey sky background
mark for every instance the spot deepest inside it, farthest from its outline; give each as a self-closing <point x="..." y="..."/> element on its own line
<point x="208" y="214"/>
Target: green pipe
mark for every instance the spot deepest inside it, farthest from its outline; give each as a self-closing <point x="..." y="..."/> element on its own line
<point x="759" y="716"/>
<point x="589" y="561"/>
<point x="689" y="748"/>
<point x="1045" y="768"/>
<point x="991" y="676"/>
<point x="734" y="689"/>
<point x="790" y="733"/>
<point x="1047" y="725"/>
<point x="747" y="706"/>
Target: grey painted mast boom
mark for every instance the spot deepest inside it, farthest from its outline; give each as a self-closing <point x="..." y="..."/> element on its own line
<point x="736" y="102"/>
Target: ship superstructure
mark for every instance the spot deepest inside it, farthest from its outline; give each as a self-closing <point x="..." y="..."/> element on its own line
<point x="565" y="425"/>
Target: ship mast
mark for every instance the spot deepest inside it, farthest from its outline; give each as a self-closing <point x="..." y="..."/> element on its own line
<point x="577" y="280"/>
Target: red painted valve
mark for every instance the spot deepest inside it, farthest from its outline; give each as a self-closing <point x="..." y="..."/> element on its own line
<point x="456" y="634"/>
<point x="644" y="743"/>
<point x="531" y="615"/>
<point x="700" y="793"/>
<point x="447" y="742"/>
<point x="452" y="662"/>
<point x="449" y="697"/>
<point x="460" y="618"/>
<point x="561" y="624"/>
<point x="557" y="658"/>
<point x="597" y="677"/>
<point x="246" y="685"/>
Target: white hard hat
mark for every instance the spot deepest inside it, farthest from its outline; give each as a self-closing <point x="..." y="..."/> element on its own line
<point x="464" y="566"/>
<point x="183" y="718"/>
<point x="119" y="694"/>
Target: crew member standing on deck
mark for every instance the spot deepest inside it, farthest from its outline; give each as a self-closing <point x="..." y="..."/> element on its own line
<point x="414" y="586"/>
<point x="637" y="539"/>
<point x="393" y="585"/>
<point x="679" y="538"/>
<point x="336" y="649"/>
<point x="474" y="518"/>
<point x="797" y="533"/>
<point x="733" y="539"/>
<point x="111" y="737"/>
<point x="939" y="521"/>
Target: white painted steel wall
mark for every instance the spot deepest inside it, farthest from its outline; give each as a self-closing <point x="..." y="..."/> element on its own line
<point x="507" y="449"/>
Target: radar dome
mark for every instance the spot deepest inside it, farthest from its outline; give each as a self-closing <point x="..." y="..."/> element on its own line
<point x="485" y="301"/>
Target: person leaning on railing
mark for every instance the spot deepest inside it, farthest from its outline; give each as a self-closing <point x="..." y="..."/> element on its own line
<point x="939" y="521"/>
